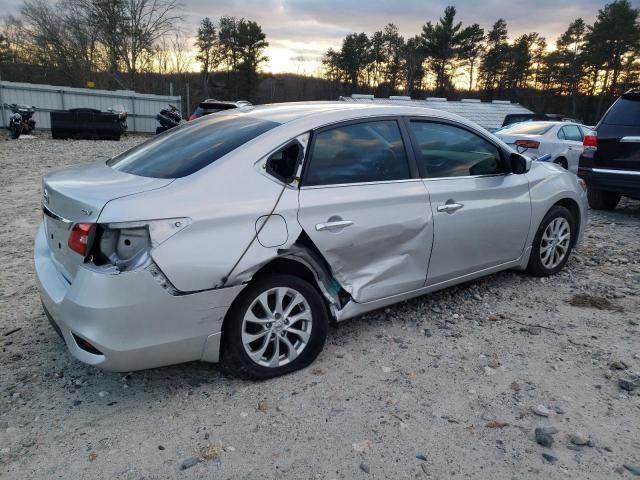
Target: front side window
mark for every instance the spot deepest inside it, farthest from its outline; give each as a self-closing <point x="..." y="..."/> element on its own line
<point x="186" y="149"/>
<point x="359" y="152"/>
<point x="448" y="151"/>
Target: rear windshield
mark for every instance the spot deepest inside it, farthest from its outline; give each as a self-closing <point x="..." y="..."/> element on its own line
<point x="186" y="149"/>
<point x="528" y="128"/>
<point x="624" y="112"/>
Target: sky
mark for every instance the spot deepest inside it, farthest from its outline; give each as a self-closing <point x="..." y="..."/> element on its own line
<point x="300" y="31"/>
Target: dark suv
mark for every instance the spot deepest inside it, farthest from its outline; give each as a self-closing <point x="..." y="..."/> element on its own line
<point x="610" y="163"/>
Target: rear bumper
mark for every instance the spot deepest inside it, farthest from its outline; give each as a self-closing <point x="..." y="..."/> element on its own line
<point x="129" y="318"/>
<point x="625" y="182"/>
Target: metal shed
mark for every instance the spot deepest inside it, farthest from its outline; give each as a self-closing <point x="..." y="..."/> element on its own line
<point x="141" y="107"/>
<point x="489" y="115"/>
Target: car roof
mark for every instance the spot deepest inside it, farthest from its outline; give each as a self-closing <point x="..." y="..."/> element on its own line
<point x="288" y="112"/>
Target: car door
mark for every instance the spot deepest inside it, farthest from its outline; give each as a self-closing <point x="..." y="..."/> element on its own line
<point x="572" y="136"/>
<point x="365" y="208"/>
<point x="481" y="211"/>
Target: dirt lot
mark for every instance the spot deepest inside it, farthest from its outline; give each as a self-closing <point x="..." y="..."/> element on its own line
<point x="443" y="386"/>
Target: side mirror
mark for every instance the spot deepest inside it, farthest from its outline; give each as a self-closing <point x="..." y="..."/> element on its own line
<point x="519" y="164"/>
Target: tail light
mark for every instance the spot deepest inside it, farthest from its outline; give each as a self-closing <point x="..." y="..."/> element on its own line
<point x="193" y="116"/>
<point x="590" y="140"/>
<point x="79" y="238"/>
<point x="527" y="144"/>
<point x="127" y="246"/>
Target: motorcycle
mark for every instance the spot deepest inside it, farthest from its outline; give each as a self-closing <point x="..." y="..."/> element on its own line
<point x="122" y="116"/>
<point x="168" y="118"/>
<point x="20" y="122"/>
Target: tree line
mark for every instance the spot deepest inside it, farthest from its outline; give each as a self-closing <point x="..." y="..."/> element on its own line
<point x="127" y="44"/>
<point x="589" y="66"/>
<point x="144" y="45"/>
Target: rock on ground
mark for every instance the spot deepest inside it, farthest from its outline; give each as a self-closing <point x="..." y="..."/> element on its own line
<point x="432" y="398"/>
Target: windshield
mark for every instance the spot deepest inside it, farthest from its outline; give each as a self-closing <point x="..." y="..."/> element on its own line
<point x="528" y="128"/>
<point x="187" y="148"/>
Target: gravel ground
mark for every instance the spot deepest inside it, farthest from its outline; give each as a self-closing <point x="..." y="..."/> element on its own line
<point x="443" y="386"/>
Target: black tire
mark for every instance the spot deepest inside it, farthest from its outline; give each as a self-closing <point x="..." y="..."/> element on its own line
<point x="602" y="200"/>
<point x="562" y="162"/>
<point x="536" y="266"/>
<point x="15" y="131"/>
<point x="234" y="359"/>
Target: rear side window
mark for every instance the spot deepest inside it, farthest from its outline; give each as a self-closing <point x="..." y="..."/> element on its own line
<point x="355" y="153"/>
<point x="624" y="112"/>
<point x="570" y="132"/>
<point x="448" y="151"/>
<point x="186" y="149"/>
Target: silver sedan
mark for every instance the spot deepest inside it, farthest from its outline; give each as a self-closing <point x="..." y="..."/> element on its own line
<point x="238" y="237"/>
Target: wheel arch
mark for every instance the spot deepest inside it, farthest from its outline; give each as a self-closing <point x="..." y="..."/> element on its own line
<point x="304" y="262"/>
<point x="571" y="205"/>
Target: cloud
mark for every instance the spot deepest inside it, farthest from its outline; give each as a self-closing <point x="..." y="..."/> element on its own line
<point x="306" y="28"/>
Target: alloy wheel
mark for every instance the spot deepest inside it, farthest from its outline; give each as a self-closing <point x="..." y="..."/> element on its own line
<point x="554" y="243"/>
<point x="276" y="327"/>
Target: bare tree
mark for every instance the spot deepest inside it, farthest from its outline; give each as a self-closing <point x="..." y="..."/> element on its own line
<point x="181" y="57"/>
<point x="129" y="30"/>
<point x="61" y="36"/>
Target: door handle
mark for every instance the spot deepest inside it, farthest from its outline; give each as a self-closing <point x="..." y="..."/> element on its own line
<point x="630" y="140"/>
<point x="337" y="225"/>
<point x="450" y="207"/>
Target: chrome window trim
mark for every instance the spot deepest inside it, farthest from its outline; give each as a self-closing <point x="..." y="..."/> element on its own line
<point x="408" y="180"/>
<point x="357" y="184"/>
<point x="619" y="172"/>
<point x="467" y="177"/>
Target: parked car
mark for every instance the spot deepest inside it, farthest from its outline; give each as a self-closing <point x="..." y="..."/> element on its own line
<point x="238" y="236"/>
<point x="211" y="105"/>
<point x="610" y="163"/>
<point x="513" y="118"/>
<point x="562" y="140"/>
<point x="89" y="123"/>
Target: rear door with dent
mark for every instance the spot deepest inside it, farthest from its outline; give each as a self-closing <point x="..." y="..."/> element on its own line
<point x="364" y="206"/>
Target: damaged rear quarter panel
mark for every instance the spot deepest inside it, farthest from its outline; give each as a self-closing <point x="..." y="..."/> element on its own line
<point x="224" y="201"/>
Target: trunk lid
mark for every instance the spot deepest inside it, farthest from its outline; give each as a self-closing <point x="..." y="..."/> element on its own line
<point x="78" y="195"/>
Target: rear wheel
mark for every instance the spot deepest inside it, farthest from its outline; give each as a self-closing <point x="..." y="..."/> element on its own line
<point x="602" y="200"/>
<point x="553" y="242"/>
<point x="277" y="326"/>
<point x="562" y="162"/>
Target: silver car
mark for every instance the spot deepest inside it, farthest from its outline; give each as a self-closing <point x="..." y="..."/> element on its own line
<point x="562" y="141"/>
<point x="238" y="237"/>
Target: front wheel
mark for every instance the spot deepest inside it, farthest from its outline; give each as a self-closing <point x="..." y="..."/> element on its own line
<point x="278" y="325"/>
<point x="15" y="131"/>
<point x="553" y="242"/>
